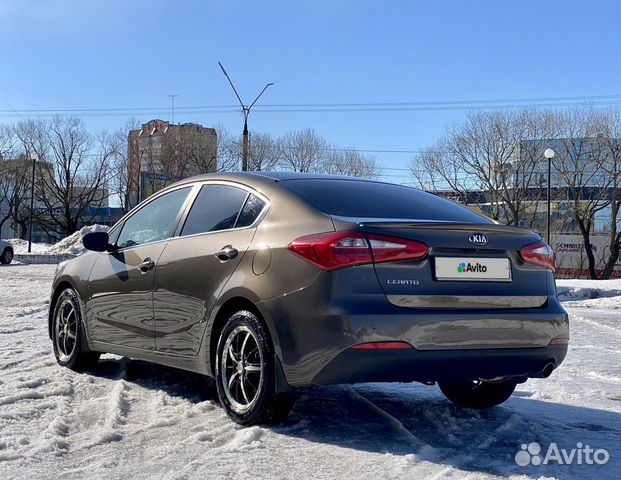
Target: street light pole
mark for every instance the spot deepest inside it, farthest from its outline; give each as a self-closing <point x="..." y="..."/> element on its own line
<point x="245" y="143"/>
<point x="549" y="154"/>
<point x="32" y="182"/>
<point x="246" y="112"/>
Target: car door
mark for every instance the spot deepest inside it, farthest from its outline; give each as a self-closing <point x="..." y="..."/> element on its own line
<point x="196" y="265"/>
<point x="120" y="289"/>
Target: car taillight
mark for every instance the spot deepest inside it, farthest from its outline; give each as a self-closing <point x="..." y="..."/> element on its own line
<point x="539" y="253"/>
<point x="388" y="249"/>
<point x="333" y="250"/>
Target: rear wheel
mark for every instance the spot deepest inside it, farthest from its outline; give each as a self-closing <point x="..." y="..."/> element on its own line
<point x="478" y="394"/>
<point x="6" y="257"/>
<point x="245" y="373"/>
<point x="70" y="348"/>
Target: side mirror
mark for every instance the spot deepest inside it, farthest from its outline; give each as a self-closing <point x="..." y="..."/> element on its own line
<point x="96" y="241"/>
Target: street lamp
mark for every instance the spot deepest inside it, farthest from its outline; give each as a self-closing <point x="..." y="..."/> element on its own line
<point x="246" y="111"/>
<point x="34" y="158"/>
<point x="549" y="154"/>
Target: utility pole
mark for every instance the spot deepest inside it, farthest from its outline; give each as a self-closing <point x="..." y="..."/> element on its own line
<point x="246" y="112"/>
<point x="32" y="182"/>
<point x="172" y="98"/>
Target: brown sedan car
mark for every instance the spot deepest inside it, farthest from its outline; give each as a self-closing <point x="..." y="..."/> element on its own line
<point x="274" y="282"/>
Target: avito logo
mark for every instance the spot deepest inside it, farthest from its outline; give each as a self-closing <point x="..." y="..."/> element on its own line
<point x="469" y="267"/>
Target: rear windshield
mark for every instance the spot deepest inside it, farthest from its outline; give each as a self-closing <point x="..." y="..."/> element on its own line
<point x="351" y="198"/>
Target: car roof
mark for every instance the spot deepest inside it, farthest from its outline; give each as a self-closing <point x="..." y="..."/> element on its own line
<point x="268" y="176"/>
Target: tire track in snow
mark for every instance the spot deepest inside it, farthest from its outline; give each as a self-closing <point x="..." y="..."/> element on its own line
<point x="55" y="437"/>
<point x="118" y="409"/>
<point x="611" y="330"/>
<point x="393" y="422"/>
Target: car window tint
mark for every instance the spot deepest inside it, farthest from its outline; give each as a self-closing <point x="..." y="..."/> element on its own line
<point x="252" y="208"/>
<point x="216" y="208"/>
<point x="355" y="198"/>
<point x="155" y="221"/>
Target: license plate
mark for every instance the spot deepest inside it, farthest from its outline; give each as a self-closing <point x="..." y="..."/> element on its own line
<point x="473" y="269"/>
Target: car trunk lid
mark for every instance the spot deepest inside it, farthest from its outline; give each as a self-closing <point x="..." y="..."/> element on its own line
<point x="469" y="266"/>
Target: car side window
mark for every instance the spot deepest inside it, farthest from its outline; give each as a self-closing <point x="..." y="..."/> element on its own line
<point x="113" y="235"/>
<point x="251" y="211"/>
<point x="216" y="208"/>
<point x="153" y="222"/>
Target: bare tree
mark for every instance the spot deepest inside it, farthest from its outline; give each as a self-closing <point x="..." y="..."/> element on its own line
<point x="608" y="131"/>
<point x="7" y="141"/>
<point x="350" y="162"/>
<point x="120" y="146"/>
<point x="525" y="186"/>
<point x="6" y="185"/>
<point x="71" y="172"/>
<point x="588" y="165"/>
<point x="485" y="146"/>
<point x="433" y="169"/>
<point x="15" y="182"/>
<point x="487" y="162"/>
<point x="228" y="150"/>
<point x="263" y="152"/>
<point x="302" y="151"/>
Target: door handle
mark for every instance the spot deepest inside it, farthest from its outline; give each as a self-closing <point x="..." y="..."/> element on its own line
<point x="146" y="266"/>
<point x="227" y="253"/>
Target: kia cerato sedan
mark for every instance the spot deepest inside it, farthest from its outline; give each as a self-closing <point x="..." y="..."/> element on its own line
<point x="275" y="282"/>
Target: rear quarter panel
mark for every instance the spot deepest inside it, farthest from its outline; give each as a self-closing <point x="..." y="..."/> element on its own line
<point x="269" y="269"/>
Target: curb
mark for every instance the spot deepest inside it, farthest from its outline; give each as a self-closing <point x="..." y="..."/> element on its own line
<point x="42" y="258"/>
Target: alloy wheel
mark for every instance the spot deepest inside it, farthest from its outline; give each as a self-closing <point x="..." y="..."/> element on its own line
<point x="242" y="369"/>
<point x="66" y="330"/>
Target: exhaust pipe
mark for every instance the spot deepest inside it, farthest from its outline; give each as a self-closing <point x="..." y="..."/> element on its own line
<point x="547" y="370"/>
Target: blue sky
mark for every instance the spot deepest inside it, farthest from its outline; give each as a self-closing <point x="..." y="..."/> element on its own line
<point x="113" y="53"/>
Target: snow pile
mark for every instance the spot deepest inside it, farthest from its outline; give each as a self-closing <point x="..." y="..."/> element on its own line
<point x="572" y="290"/>
<point x="21" y="246"/>
<point x="599" y="294"/>
<point x="72" y="244"/>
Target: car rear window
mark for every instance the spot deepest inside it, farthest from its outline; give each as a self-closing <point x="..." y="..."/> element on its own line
<point x="216" y="208"/>
<point x="355" y="198"/>
<point x="251" y="211"/>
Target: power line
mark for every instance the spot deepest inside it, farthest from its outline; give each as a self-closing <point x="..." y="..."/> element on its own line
<point x="336" y="107"/>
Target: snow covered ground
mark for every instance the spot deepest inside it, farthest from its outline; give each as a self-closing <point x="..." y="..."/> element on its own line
<point x="129" y="419"/>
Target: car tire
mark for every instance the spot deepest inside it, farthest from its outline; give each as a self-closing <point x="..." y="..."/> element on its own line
<point x="478" y="394"/>
<point x="6" y="257"/>
<point x="245" y="373"/>
<point x="68" y="339"/>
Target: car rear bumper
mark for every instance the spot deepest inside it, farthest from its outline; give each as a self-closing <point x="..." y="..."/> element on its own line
<point x="315" y="327"/>
<point x="355" y="366"/>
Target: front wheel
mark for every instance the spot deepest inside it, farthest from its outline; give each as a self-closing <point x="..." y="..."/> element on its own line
<point x="6" y="257"/>
<point x="70" y="348"/>
<point x="245" y="373"/>
<point x="478" y="394"/>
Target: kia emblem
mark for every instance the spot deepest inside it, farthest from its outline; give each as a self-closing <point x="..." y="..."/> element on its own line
<point x="478" y="239"/>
